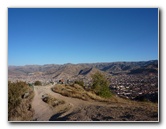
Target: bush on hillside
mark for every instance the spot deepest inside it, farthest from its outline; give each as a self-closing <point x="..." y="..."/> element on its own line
<point x="37" y="83"/>
<point x="100" y="85"/>
<point x="79" y="82"/>
<point x="19" y="105"/>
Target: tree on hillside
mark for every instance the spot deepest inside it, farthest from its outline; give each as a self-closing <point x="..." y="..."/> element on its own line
<point x="100" y="85"/>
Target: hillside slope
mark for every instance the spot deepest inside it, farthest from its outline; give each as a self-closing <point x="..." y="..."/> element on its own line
<point x="74" y="109"/>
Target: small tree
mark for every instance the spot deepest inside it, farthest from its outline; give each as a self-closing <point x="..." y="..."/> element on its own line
<point x="100" y="85"/>
<point x="37" y="83"/>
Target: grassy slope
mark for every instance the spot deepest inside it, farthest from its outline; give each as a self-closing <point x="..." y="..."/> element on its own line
<point x="19" y="108"/>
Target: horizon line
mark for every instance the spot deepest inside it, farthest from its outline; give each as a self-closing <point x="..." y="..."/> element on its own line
<point x="82" y="63"/>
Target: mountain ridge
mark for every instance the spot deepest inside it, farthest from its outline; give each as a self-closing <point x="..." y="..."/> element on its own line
<point x="80" y="63"/>
<point x="111" y="67"/>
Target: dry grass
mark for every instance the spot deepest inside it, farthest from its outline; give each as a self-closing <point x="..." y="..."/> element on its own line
<point x="19" y="108"/>
<point x="59" y="106"/>
<point x="77" y="91"/>
<point x="51" y="101"/>
<point x="74" y="91"/>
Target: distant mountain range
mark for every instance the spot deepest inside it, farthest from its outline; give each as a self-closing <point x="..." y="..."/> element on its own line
<point x="86" y="68"/>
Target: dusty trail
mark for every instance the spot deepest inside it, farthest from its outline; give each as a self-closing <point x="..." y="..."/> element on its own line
<point x="43" y="111"/>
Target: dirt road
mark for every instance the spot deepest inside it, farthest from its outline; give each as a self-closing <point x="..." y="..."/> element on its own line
<point x="43" y="111"/>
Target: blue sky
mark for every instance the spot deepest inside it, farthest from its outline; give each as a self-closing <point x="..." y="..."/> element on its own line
<point x="81" y="35"/>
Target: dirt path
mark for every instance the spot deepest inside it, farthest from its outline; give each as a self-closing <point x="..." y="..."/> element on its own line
<point x="43" y="111"/>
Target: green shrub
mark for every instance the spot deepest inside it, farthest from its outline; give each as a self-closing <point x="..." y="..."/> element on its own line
<point x="100" y="85"/>
<point x="37" y="83"/>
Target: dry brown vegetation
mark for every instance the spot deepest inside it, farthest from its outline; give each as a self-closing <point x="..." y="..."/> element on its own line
<point x="76" y="91"/>
<point x="51" y="101"/>
<point x="20" y="96"/>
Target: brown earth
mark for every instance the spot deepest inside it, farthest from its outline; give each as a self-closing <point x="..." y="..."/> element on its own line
<point x="79" y="110"/>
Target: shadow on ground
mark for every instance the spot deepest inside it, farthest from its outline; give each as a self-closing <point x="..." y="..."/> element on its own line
<point x="57" y="117"/>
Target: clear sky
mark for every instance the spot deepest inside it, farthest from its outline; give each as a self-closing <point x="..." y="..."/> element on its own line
<point x="81" y="35"/>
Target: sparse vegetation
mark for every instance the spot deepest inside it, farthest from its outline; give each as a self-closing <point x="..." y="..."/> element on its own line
<point x="51" y="101"/>
<point x="19" y="101"/>
<point x="37" y="83"/>
<point x="76" y="91"/>
<point x="100" y="85"/>
<point x="79" y="82"/>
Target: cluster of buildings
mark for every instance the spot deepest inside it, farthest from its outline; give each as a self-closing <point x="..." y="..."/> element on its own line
<point x="131" y="86"/>
<point x="136" y="86"/>
<point x="44" y="79"/>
